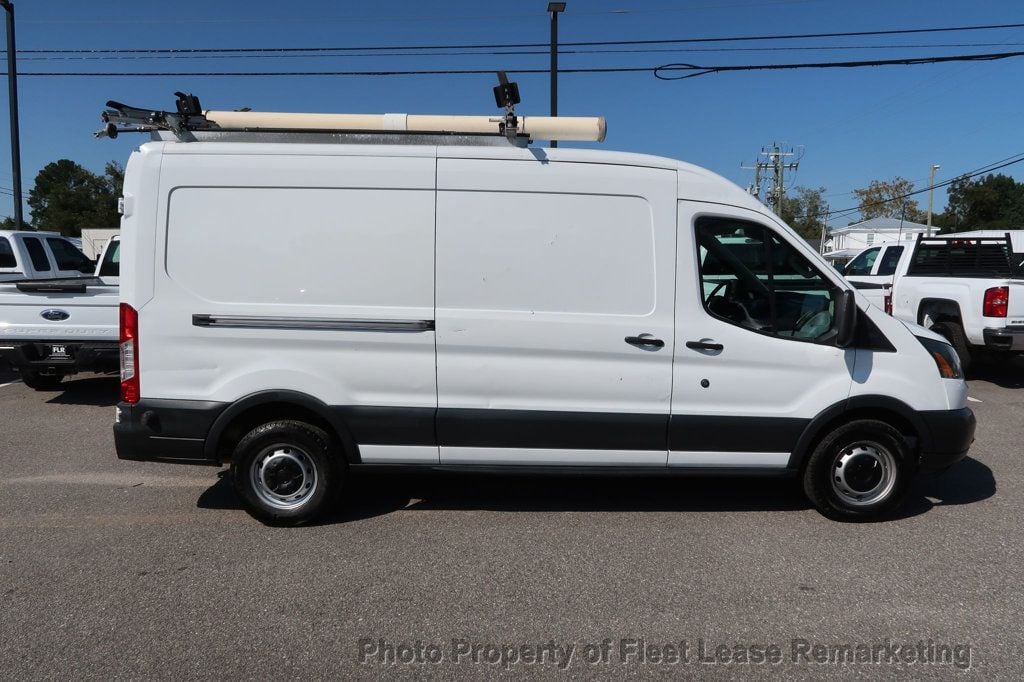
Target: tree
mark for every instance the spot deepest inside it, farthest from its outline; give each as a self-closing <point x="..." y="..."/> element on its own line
<point x="67" y="197"/>
<point x="884" y="199"/>
<point x="990" y="203"/>
<point x="804" y="211"/>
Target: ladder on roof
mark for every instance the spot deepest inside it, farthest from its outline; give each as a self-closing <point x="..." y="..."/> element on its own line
<point x="189" y="123"/>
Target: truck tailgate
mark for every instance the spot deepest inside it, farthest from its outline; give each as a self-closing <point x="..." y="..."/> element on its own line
<point x="1015" y="310"/>
<point x="48" y="315"/>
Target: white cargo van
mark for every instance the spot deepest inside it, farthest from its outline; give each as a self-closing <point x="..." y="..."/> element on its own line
<point x="304" y="310"/>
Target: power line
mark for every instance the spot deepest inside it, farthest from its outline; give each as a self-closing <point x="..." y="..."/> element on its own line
<point x="591" y="43"/>
<point x="911" y="61"/>
<point x="467" y="53"/>
<point x="659" y="71"/>
<point x="402" y="17"/>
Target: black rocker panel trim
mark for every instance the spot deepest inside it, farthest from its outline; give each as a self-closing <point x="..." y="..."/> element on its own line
<point x="544" y="429"/>
<point x="688" y="433"/>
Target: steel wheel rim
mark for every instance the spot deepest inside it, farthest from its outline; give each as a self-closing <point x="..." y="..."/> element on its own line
<point x="283" y="476"/>
<point x="863" y="473"/>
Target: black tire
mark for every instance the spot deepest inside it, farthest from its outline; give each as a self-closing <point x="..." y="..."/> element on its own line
<point x="287" y="472"/>
<point x="845" y="463"/>
<point x="40" y="382"/>
<point x="954" y="333"/>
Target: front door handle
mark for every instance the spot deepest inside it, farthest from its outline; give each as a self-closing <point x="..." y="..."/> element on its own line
<point x="645" y="341"/>
<point x="704" y="345"/>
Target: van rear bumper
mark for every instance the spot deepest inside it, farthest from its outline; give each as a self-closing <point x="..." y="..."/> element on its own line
<point x="949" y="437"/>
<point x="165" y="430"/>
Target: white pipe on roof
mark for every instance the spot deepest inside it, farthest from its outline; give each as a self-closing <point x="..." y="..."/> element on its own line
<point x="578" y="128"/>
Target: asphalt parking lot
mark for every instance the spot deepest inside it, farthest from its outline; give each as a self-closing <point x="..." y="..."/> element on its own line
<point x="113" y="569"/>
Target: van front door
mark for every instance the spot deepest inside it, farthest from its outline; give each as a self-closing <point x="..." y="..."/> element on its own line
<point x="554" y="312"/>
<point x="754" y="360"/>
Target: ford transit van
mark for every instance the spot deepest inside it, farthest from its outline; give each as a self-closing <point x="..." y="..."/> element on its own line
<point x="302" y="309"/>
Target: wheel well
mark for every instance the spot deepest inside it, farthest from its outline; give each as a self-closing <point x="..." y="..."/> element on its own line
<point x="938" y="310"/>
<point x="247" y="420"/>
<point x="890" y="417"/>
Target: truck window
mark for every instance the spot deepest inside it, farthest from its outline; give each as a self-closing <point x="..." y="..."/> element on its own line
<point x="890" y="260"/>
<point x="111" y="266"/>
<point x="7" y="254"/>
<point x="37" y="254"/>
<point x="68" y="257"/>
<point x="862" y="264"/>
<point x="752" y="278"/>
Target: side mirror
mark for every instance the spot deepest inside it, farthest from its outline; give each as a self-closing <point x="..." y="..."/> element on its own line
<point x="846" y="318"/>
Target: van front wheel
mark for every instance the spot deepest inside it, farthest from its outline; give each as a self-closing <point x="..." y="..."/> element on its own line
<point x="286" y="472"/>
<point x="859" y="472"/>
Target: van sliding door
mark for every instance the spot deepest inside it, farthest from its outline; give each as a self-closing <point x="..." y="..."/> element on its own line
<point x="554" y="312"/>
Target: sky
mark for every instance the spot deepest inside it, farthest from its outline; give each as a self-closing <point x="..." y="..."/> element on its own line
<point x="849" y="126"/>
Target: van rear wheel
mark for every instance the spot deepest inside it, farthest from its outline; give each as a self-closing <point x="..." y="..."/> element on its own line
<point x="859" y="472"/>
<point x="286" y="472"/>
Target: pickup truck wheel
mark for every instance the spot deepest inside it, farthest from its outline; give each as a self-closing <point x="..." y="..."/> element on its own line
<point x="286" y="472"/>
<point x="954" y="333"/>
<point x="859" y="472"/>
<point x="40" y="382"/>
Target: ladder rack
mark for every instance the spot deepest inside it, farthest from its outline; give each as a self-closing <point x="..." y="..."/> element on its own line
<point x="190" y="123"/>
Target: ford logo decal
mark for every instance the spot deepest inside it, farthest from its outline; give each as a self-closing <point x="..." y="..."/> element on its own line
<point x="55" y="315"/>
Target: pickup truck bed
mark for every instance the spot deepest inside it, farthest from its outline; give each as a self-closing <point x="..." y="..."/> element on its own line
<point x="52" y="328"/>
<point x="966" y="287"/>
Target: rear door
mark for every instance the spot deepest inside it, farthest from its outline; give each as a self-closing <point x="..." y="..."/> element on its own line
<point x="753" y="361"/>
<point x="554" y="312"/>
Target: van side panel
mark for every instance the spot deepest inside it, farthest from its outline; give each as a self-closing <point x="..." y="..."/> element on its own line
<point x="544" y="270"/>
<point x="311" y="274"/>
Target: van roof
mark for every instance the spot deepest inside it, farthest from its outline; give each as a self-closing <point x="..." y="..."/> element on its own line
<point x="695" y="183"/>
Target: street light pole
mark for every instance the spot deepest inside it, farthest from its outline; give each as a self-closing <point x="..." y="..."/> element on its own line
<point x="931" y="190"/>
<point x="554" y="8"/>
<point x="12" y="94"/>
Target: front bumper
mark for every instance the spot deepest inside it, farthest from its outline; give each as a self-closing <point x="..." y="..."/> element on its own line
<point x="165" y="430"/>
<point x="948" y="437"/>
<point x="1004" y="338"/>
<point x="79" y="356"/>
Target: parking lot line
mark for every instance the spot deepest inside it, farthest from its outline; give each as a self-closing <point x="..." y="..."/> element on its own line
<point x="10" y="383"/>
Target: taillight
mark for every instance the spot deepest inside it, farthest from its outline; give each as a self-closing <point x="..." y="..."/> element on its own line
<point x="129" y="320"/>
<point x="888" y="304"/>
<point x="997" y="300"/>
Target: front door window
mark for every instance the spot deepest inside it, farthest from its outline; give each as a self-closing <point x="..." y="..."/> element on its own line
<point x="753" y="279"/>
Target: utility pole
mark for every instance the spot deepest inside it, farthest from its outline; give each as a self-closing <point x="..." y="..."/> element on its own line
<point x="554" y="9"/>
<point x="12" y="100"/>
<point x="931" y="191"/>
<point x="776" y="163"/>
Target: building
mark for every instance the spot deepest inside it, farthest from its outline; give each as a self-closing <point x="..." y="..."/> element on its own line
<point x="844" y="243"/>
<point x="94" y="239"/>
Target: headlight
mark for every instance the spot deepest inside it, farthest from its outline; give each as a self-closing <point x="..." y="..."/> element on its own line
<point x="945" y="358"/>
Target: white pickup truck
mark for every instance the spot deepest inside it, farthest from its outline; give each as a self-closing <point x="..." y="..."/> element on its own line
<point x="50" y="328"/>
<point x="26" y="254"/>
<point x="967" y="287"/>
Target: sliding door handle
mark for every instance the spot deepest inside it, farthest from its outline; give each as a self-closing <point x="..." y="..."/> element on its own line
<point x="645" y="341"/>
<point x="704" y="345"/>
